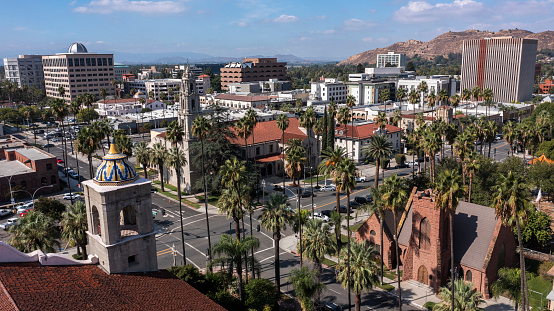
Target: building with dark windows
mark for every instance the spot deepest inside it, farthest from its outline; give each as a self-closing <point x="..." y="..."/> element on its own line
<point x="25" y="70"/>
<point x="506" y="65"/>
<point x="253" y="69"/>
<point x="78" y="72"/>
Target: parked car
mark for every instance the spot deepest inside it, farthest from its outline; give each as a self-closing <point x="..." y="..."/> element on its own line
<point x="412" y="163"/>
<point x="4" y="212"/>
<point x="326" y="212"/>
<point x="498" y="137"/>
<point x="55" y="140"/>
<point x="342" y="209"/>
<point x="10" y="222"/>
<point x="48" y="145"/>
<point x="354" y="205"/>
<point x="328" y="188"/>
<point x="319" y="216"/>
<point x="307" y="194"/>
<point x="369" y="198"/>
<point x="152" y="190"/>
<point x="403" y="165"/>
<point x="59" y="160"/>
<point x="73" y="196"/>
<point x="73" y="175"/>
<point x="361" y="179"/>
<point x="277" y="188"/>
<point x="360" y="200"/>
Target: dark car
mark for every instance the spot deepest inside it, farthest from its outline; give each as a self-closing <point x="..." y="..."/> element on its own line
<point x="48" y="145"/>
<point x="369" y="198"/>
<point x="360" y="200"/>
<point x="277" y="188"/>
<point x="307" y="194"/>
<point x="354" y="205"/>
<point x="326" y="212"/>
<point x="403" y="165"/>
<point x="342" y="209"/>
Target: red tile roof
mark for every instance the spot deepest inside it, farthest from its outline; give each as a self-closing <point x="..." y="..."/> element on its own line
<point x="269" y="131"/>
<point x="35" y="287"/>
<point x="270" y="158"/>
<point x="243" y="98"/>
<point x="365" y="130"/>
<point x="203" y="76"/>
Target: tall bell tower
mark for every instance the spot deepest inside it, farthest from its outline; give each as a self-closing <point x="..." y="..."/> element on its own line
<point x="189" y="102"/>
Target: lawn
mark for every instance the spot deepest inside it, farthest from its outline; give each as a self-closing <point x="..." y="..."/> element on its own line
<point x="173" y="196"/>
<point x="538" y="285"/>
<point x="355" y="227"/>
<point x="316" y="179"/>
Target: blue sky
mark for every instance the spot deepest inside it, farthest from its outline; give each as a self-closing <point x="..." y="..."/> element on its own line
<point x="305" y="28"/>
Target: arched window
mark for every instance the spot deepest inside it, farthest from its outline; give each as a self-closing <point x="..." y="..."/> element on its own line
<point x="128" y="221"/>
<point x="43" y="181"/>
<point x="95" y="221"/>
<point x="372" y="232"/>
<point x="461" y="273"/>
<point x="424" y="234"/>
<point x="501" y="256"/>
<point x="468" y="276"/>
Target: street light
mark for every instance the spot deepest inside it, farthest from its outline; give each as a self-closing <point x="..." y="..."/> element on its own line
<point x="10" y="184"/>
<point x="263" y="191"/>
<point x="32" y="195"/>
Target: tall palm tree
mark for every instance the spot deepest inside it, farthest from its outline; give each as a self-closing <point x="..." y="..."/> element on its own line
<point x="234" y="250"/>
<point x="283" y="124"/>
<point x="490" y="127"/>
<point x="330" y="162"/>
<point x="377" y="208"/>
<point x="384" y="96"/>
<point x="448" y="191"/>
<point x="175" y="133"/>
<point x="472" y="166"/>
<point x="35" y="231"/>
<point x="363" y="274"/>
<point x="394" y="195"/>
<point x="476" y="93"/>
<point x="74" y="224"/>
<point x="317" y="243"/>
<point x="508" y="284"/>
<point x="294" y="167"/>
<point x="59" y="109"/>
<point x="510" y="204"/>
<point x="332" y="109"/>
<point x="307" y="121"/>
<point x="200" y="128"/>
<point x="487" y="98"/>
<point x="381" y="119"/>
<point x="443" y="96"/>
<point x="176" y="159"/>
<point x="431" y="100"/>
<point x="344" y="177"/>
<point x="343" y="117"/>
<point x="252" y="117"/>
<point x="276" y="214"/>
<point x="465" y="298"/>
<point x="379" y="148"/>
<point x="423" y="88"/>
<point x="397" y="116"/>
<point x="143" y="154"/>
<point x="305" y="286"/>
<point x="400" y="94"/>
<point x="336" y="221"/>
<point x="87" y="144"/>
<point x="466" y="95"/>
<point x="319" y="129"/>
<point x="159" y="154"/>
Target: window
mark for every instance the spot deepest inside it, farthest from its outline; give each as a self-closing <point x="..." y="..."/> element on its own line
<point x="270" y="148"/>
<point x="468" y="276"/>
<point x="132" y="260"/>
<point x="49" y="166"/>
<point x="424" y="232"/>
<point x="96" y="221"/>
<point x="257" y="150"/>
<point x="372" y="232"/>
<point x="43" y="181"/>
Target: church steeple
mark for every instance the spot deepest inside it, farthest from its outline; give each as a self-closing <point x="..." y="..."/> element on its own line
<point x="189" y="102"/>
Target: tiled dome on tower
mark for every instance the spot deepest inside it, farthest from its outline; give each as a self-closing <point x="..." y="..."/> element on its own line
<point x="115" y="169"/>
<point x="77" y="48"/>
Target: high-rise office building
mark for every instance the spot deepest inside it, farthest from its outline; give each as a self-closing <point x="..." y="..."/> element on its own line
<point x="78" y="72"/>
<point x="25" y="70"/>
<point x="253" y="69"/>
<point x="506" y="65"/>
<point x="391" y="58"/>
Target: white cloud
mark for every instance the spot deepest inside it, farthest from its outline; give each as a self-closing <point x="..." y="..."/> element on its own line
<point x="241" y="24"/>
<point x="99" y="42"/>
<point x="148" y="7"/>
<point x="72" y="3"/>
<point x="325" y="32"/>
<point x="355" y="24"/>
<point x="286" y="19"/>
<point x="422" y="11"/>
<point x="367" y="40"/>
<point x="21" y="28"/>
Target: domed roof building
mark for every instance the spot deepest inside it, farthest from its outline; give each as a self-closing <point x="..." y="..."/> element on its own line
<point x="77" y="47"/>
<point x="115" y="169"/>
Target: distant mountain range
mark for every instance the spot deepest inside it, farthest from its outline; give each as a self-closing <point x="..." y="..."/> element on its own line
<point x="446" y="43"/>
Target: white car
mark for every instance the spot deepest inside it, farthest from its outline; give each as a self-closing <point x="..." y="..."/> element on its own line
<point x="328" y="188"/>
<point x="73" y="196"/>
<point x="319" y="216"/>
<point x="412" y="163"/>
<point x="4" y="212"/>
<point x="361" y="179"/>
<point x="10" y="222"/>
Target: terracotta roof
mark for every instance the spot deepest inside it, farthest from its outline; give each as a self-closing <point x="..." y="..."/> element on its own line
<point x="203" y="76"/>
<point x="364" y="131"/>
<point x="162" y="135"/>
<point x="35" y="287"/>
<point x="269" y="131"/>
<point x="458" y="116"/>
<point x="243" y="98"/>
<point x="411" y="116"/>
<point x="270" y="158"/>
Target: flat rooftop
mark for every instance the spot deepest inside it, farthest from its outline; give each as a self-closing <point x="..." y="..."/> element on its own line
<point x="9" y="168"/>
<point x="34" y="154"/>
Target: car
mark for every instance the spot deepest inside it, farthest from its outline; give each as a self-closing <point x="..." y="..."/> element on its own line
<point x="158" y="213"/>
<point x="478" y="142"/>
<point x="342" y="209"/>
<point x="498" y="137"/>
<point x="48" y="145"/>
<point x="330" y="306"/>
<point x="10" y="222"/>
<point x="402" y="165"/>
<point x="319" y="216"/>
<point x="73" y="196"/>
<point x="39" y="132"/>
<point x="354" y="205"/>
<point x="361" y="179"/>
<point x="59" y="160"/>
<point x="326" y="212"/>
<point x="307" y="194"/>
<point x="152" y="190"/>
<point x="328" y="188"/>
<point x="361" y="200"/>
<point x="369" y="198"/>
<point x="55" y="140"/>
<point x="24" y="213"/>
<point x="412" y="163"/>
<point x="73" y="175"/>
<point x="4" y="212"/>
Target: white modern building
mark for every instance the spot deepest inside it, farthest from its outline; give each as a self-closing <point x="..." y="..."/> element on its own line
<point x="121" y="107"/>
<point x="25" y="70"/>
<point x="366" y="92"/>
<point x="156" y="86"/>
<point x="329" y="89"/>
<point x="391" y="58"/>
<point x="434" y="85"/>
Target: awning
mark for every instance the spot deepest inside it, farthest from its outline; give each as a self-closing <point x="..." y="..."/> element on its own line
<point x="550" y="295"/>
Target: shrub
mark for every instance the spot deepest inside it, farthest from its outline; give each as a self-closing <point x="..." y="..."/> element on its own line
<point x="226" y="300"/>
<point x="50" y="207"/>
<point x="384" y="163"/>
<point x="400" y="158"/>
<point x="543" y="269"/>
<point x="260" y="293"/>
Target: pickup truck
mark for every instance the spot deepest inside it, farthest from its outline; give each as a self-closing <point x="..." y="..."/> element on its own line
<point x="361" y="179"/>
<point x="10" y="222"/>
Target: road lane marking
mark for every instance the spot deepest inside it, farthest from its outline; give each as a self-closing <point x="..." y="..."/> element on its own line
<point x="334" y="291"/>
<point x="263" y="250"/>
<point x="188" y="259"/>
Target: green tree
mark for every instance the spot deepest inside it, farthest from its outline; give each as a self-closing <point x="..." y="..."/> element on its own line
<point x="276" y="214"/>
<point x="176" y="159"/>
<point x="143" y="154"/>
<point x="336" y="220"/>
<point x="536" y="231"/>
<point x="123" y="142"/>
<point x="378" y="208"/>
<point x="379" y="148"/>
<point x="87" y="115"/>
<point x="283" y="124"/>
<point x="35" y="231"/>
<point x="305" y="286"/>
<point x="508" y="284"/>
<point x="50" y="207"/>
<point x="465" y="298"/>
<point x="159" y="154"/>
<point x="74" y="224"/>
<point x="261" y="294"/>
<point x="308" y="121"/>
<point x="175" y="133"/>
<point x="364" y="271"/>
<point x="331" y="125"/>
<point x="87" y="144"/>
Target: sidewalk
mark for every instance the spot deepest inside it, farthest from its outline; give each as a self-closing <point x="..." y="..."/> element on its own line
<point x="213" y="210"/>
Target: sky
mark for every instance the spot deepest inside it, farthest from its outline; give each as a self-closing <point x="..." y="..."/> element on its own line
<point x="330" y="30"/>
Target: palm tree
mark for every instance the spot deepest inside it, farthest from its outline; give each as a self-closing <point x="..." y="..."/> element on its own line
<point x="465" y="298"/>
<point x="363" y="274"/>
<point x="252" y="117"/>
<point x="448" y="191"/>
<point x="143" y="154"/>
<point x="400" y="94"/>
<point x="295" y="157"/>
<point x="317" y="243"/>
<point x="176" y="159"/>
<point x="308" y="121"/>
<point x="397" y="116"/>
<point x="336" y="220"/>
<point x="200" y="128"/>
<point x="175" y="133"/>
<point x="443" y="96"/>
<point x="381" y="119"/>
<point x="74" y="223"/>
<point x="466" y="95"/>
<point x="508" y="284"/>
<point x="275" y="216"/>
<point x="377" y="207"/>
<point x="60" y="110"/>
<point x="344" y="177"/>
<point x="431" y="100"/>
<point x="384" y="96"/>
<point x="159" y="154"/>
<point x="87" y="144"/>
<point x="332" y="109"/>
<point x="35" y="231"/>
<point x="343" y="117"/>
<point x="394" y="195"/>
<point x="305" y="286"/>
<point x="423" y="88"/>
<point x="510" y="203"/>
<point x="283" y="124"/>
<point x="487" y="98"/>
<point x="319" y="129"/>
<point x="472" y="165"/>
<point x="234" y="250"/>
<point x="379" y="148"/>
<point x="330" y="162"/>
<point x="476" y="93"/>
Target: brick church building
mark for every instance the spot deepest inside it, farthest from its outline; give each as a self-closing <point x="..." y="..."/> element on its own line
<point x="482" y="244"/>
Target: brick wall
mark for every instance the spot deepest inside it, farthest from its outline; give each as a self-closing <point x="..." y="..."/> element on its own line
<point x="370" y="231"/>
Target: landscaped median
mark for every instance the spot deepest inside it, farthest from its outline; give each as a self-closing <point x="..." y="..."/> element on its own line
<point x="174" y="196"/>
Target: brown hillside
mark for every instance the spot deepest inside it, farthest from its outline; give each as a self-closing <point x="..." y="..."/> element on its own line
<point x="450" y="42"/>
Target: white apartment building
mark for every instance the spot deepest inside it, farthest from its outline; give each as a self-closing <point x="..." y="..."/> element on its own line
<point x="202" y="84"/>
<point x="366" y="92"/>
<point x="394" y="59"/>
<point x="434" y="85"/>
<point x="329" y="89"/>
<point x="156" y="86"/>
<point x="25" y="70"/>
<point x="126" y="106"/>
